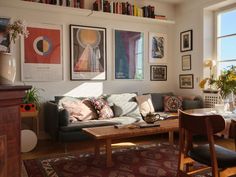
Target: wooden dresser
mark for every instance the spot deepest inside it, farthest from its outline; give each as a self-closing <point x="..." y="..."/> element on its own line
<point x="10" y="161"/>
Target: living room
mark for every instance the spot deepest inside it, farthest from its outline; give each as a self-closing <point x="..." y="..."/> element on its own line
<point x="194" y="17"/>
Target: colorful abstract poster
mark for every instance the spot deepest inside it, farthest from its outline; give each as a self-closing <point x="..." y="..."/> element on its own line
<point x="88" y="53"/>
<point x="42" y="53"/>
<point x="129" y="52"/>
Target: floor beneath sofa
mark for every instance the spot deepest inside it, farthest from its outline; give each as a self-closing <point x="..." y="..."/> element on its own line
<point x="45" y="148"/>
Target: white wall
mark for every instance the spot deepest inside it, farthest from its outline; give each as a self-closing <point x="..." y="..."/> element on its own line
<point x="77" y="88"/>
<point x="197" y="15"/>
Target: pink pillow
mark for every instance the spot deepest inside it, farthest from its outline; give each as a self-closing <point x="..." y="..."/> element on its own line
<point x="78" y="110"/>
<point x="172" y="103"/>
<point x="104" y="111"/>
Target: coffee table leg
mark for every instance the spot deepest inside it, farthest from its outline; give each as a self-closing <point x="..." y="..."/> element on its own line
<point x="97" y="149"/>
<point x="108" y="153"/>
<point x="171" y="137"/>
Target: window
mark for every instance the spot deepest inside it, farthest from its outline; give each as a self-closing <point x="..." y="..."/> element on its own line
<point x="226" y="39"/>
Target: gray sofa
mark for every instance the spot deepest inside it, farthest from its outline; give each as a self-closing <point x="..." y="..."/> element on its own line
<point x="124" y="106"/>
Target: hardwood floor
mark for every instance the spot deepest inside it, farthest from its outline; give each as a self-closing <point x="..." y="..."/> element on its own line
<point x="47" y="148"/>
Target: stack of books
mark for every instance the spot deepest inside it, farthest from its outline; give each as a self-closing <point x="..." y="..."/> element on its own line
<point x="67" y="3"/>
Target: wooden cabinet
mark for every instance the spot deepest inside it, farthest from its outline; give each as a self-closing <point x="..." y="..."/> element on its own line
<point x="10" y="98"/>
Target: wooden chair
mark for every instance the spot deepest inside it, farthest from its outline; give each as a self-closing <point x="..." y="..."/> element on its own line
<point x="220" y="161"/>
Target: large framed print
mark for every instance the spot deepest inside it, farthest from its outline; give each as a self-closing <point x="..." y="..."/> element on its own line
<point x="186" y="81"/>
<point x="158" y="72"/>
<point x="186" y="40"/>
<point x="157" y="48"/>
<point x="41" y="53"/>
<point x="4" y="36"/>
<point x="129" y="54"/>
<point x="88" y="52"/>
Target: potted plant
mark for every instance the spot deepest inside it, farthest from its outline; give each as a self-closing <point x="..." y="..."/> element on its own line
<point x="32" y="98"/>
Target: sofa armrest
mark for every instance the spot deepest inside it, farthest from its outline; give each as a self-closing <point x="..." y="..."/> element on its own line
<point x="51" y="116"/>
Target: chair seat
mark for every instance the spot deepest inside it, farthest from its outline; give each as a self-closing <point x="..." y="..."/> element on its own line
<point x="225" y="157"/>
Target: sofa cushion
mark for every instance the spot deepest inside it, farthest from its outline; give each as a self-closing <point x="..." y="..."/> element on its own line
<point x="145" y="104"/>
<point x="172" y="103"/>
<point x="77" y="109"/>
<point x="195" y="103"/>
<point x="103" y="109"/>
<point x="126" y="109"/>
<point x="157" y="100"/>
<point x="124" y="104"/>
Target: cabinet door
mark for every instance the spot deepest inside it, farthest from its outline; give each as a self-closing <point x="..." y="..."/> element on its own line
<point x="3" y="156"/>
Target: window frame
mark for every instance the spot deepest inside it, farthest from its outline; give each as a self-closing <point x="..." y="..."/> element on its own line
<point x="216" y="38"/>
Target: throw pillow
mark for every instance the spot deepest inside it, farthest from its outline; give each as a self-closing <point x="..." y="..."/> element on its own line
<point x="78" y="111"/>
<point x="172" y="103"/>
<point x="126" y="109"/>
<point x="103" y="109"/>
<point x="145" y="104"/>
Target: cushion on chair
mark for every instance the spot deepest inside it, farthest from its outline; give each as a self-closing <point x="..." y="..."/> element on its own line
<point x="225" y="157"/>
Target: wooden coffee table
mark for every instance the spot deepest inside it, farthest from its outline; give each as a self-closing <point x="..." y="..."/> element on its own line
<point x="109" y="133"/>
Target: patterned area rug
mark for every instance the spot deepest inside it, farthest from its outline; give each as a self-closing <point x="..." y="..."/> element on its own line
<point x="157" y="160"/>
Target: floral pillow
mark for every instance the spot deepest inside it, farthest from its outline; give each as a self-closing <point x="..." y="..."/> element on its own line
<point x="104" y="111"/>
<point x="172" y="103"/>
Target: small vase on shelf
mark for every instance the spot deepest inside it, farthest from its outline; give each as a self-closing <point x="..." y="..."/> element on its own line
<point x="7" y="68"/>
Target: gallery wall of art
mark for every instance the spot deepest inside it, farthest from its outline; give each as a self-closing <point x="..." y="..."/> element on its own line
<point x="66" y="84"/>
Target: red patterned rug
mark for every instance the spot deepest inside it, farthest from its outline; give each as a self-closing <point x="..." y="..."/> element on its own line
<point x="143" y="161"/>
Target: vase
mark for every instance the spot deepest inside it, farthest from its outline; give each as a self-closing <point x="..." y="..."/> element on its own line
<point x="7" y="69"/>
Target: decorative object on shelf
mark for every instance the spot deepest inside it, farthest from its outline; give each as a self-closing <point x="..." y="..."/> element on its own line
<point x="186" y="40"/>
<point x="9" y="32"/>
<point x="158" y="72"/>
<point x="157" y="48"/>
<point x="186" y="62"/>
<point x="41" y="53"/>
<point x="150" y="118"/>
<point x="186" y="81"/>
<point x="88" y="52"/>
<point x="129" y="54"/>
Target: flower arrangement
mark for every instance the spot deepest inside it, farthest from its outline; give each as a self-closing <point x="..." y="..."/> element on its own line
<point x="16" y="29"/>
<point x="226" y="83"/>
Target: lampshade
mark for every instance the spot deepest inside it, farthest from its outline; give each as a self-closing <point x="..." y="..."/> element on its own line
<point x="209" y="63"/>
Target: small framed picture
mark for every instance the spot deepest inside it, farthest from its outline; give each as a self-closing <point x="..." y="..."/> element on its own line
<point x="186" y="81"/>
<point x="186" y="40"/>
<point x="158" y="72"/>
<point x="157" y="48"/>
<point x="186" y="62"/>
<point x="4" y="36"/>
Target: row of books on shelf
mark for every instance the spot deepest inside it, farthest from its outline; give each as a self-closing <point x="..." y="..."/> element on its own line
<point x="124" y="8"/>
<point x="67" y="3"/>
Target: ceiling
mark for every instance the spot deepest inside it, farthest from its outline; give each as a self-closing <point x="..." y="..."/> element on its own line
<point x="171" y="1"/>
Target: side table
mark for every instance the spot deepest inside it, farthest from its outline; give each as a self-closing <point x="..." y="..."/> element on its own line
<point x="34" y="116"/>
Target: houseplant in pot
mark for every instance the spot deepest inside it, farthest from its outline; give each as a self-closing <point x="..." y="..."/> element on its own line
<point x="225" y="84"/>
<point x="9" y="33"/>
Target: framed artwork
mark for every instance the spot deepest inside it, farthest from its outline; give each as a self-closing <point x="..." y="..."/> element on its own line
<point x="41" y="53"/>
<point x="186" y="81"/>
<point x="4" y="36"/>
<point x="129" y="54"/>
<point x="157" y="48"/>
<point x="186" y="40"/>
<point x="158" y="72"/>
<point x="186" y="62"/>
<point x="88" y="52"/>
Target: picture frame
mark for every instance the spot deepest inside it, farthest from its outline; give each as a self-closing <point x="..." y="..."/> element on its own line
<point x="129" y="54"/>
<point x="186" y="62"/>
<point x="186" y="40"/>
<point x="88" y="53"/>
<point x="158" y="72"/>
<point x="157" y="48"/>
<point x="4" y="36"/>
<point x="186" y="81"/>
<point x="41" y="53"/>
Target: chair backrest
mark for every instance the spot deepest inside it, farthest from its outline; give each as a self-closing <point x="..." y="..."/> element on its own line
<point x="196" y="124"/>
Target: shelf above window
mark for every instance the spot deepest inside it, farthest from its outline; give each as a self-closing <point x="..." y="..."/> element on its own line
<point x="80" y="12"/>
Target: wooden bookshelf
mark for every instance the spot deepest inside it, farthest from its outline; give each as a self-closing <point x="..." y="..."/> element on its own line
<point x="80" y="12"/>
